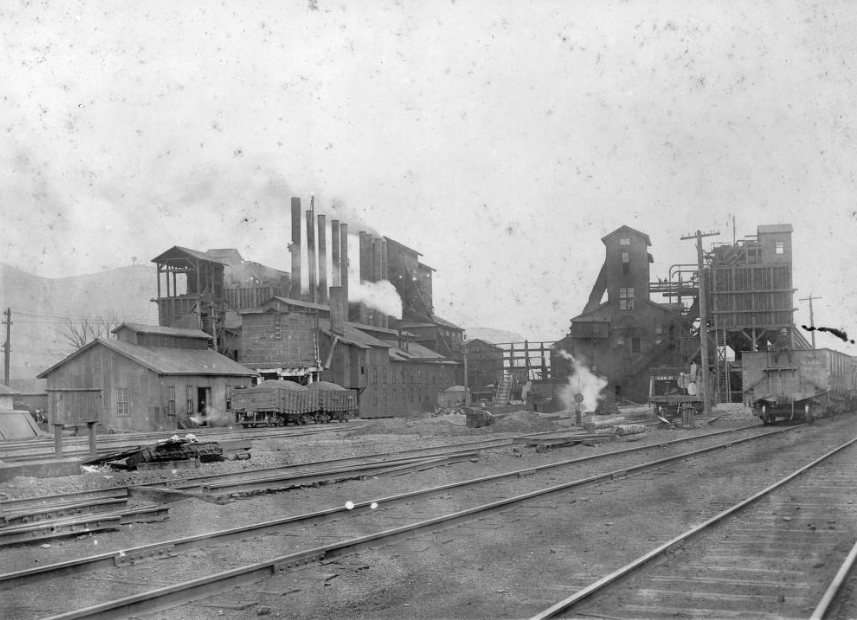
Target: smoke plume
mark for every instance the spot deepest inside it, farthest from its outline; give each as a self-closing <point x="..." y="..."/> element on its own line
<point x="379" y="295"/>
<point x="581" y="381"/>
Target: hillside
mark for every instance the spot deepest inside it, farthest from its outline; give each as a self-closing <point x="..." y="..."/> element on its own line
<point x="44" y="308"/>
<point x="495" y="336"/>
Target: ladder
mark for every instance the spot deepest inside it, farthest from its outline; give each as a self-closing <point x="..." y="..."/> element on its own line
<point x="503" y="390"/>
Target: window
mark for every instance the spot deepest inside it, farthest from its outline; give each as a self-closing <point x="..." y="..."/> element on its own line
<point x="625" y="257"/>
<point x="278" y="327"/>
<point x="596" y="329"/>
<point x="626" y="298"/>
<point x="659" y="334"/>
<point x="626" y="269"/>
<point x="780" y="247"/>
<point x="620" y="341"/>
<point x="171" y="404"/>
<point x="190" y="399"/>
<point x="122" y="402"/>
<point x="635" y="345"/>
<point x="625" y="241"/>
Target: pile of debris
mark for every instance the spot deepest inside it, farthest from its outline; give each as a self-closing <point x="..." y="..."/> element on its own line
<point x="174" y="452"/>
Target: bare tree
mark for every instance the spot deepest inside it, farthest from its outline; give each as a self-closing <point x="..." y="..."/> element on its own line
<point x="79" y="332"/>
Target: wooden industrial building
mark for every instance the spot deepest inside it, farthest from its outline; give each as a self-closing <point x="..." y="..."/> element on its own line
<point x="484" y="364"/>
<point x="148" y="378"/>
<point x="286" y="335"/>
<point x="622" y="337"/>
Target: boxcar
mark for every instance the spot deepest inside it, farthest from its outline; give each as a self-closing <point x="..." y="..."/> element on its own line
<point x="804" y="386"/>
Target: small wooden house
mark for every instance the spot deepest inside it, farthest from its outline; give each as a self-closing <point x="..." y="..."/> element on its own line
<point x="149" y="378"/>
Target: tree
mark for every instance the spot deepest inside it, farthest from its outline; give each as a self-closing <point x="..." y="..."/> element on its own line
<point x="79" y="332"/>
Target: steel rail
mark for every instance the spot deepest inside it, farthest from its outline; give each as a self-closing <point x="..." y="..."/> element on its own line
<point x="171" y="596"/>
<point x="644" y="559"/>
<point x="820" y="611"/>
<point x="99" y="561"/>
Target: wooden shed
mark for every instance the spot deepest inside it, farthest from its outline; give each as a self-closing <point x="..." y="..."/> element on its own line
<point x="150" y="378"/>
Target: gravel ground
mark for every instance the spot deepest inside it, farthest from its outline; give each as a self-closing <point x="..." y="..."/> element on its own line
<point x="192" y="517"/>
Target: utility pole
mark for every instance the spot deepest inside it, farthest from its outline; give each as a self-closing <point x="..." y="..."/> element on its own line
<point x="703" y="321"/>
<point x="811" y="318"/>
<point x="7" y="347"/>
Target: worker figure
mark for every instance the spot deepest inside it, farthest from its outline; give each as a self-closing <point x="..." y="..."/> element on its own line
<point x="783" y="344"/>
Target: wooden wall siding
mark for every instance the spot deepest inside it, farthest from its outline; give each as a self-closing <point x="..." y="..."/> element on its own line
<point x="250" y="297"/>
<point x="281" y="339"/>
<point x="172" y="342"/>
<point x="103" y="369"/>
<point x="75" y="407"/>
<point x="178" y="312"/>
<point x="387" y="388"/>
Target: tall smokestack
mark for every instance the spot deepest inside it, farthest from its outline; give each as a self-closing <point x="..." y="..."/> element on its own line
<point x="322" y="260"/>
<point x="310" y="248"/>
<point x="384" y="275"/>
<point x="343" y="264"/>
<point x="295" y="276"/>
<point x="365" y="271"/>
<point x="338" y="310"/>
<point x="378" y="317"/>
<point x="365" y="256"/>
<point x="336" y="280"/>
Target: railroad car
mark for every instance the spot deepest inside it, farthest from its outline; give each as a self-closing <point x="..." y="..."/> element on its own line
<point x="277" y="403"/>
<point x="675" y="390"/>
<point x="803" y="386"/>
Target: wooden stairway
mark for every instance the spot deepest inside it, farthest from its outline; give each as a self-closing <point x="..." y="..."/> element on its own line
<point x="503" y="390"/>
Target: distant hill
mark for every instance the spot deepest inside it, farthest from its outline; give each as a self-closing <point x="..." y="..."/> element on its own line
<point x="495" y="336"/>
<point x="43" y="307"/>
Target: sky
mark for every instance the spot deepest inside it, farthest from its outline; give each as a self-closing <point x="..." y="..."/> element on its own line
<point x="502" y="140"/>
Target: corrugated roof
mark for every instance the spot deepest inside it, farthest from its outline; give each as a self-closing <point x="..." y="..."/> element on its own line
<point x="444" y="322"/>
<point x="166" y="361"/>
<point x="178" y="252"/>
<point x="354" y="336"/>
<point x="285" y="300"/>
<point x="164" y="331"/>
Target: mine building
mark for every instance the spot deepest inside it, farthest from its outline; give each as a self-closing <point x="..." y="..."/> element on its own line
<point x="269" y="322"/>
<point x="749" y="298"/>
<point x="751" y="303"/>
<point x="621" y="337"/>
<point x="147" y="378"/>
<point x="484" y="364"/>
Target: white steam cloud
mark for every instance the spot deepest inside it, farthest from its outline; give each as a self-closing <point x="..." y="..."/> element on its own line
<point x="581" y="381"/>
<point x="379" y="295"/>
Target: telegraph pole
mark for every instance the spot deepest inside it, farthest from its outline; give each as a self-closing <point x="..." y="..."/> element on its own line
<point x="811" y="319"/>
<point x="7" y="347"/>
<point x="703" y="321"/>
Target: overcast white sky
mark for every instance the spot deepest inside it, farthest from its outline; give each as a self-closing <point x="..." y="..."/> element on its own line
<point x="500" y="139"/>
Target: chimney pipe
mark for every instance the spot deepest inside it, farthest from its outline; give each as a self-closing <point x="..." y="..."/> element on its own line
<point x="336" y="279"/>
<point x="366" y="266"/>
<point x="310" y="248"/>
<point x="338" y="311"/>
<point x="343" y="264"/>
<point x="322" y="260"/>
<point x="295" y="276"/>
<point x="378" y="318"/>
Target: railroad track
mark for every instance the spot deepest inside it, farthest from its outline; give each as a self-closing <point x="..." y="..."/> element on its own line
<point x="78" y="446"/>
<point x="362" y="524"/>
<point x="774" y="555"/>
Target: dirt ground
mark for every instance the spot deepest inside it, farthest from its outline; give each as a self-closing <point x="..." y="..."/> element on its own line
<point x="390" y="579"/>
